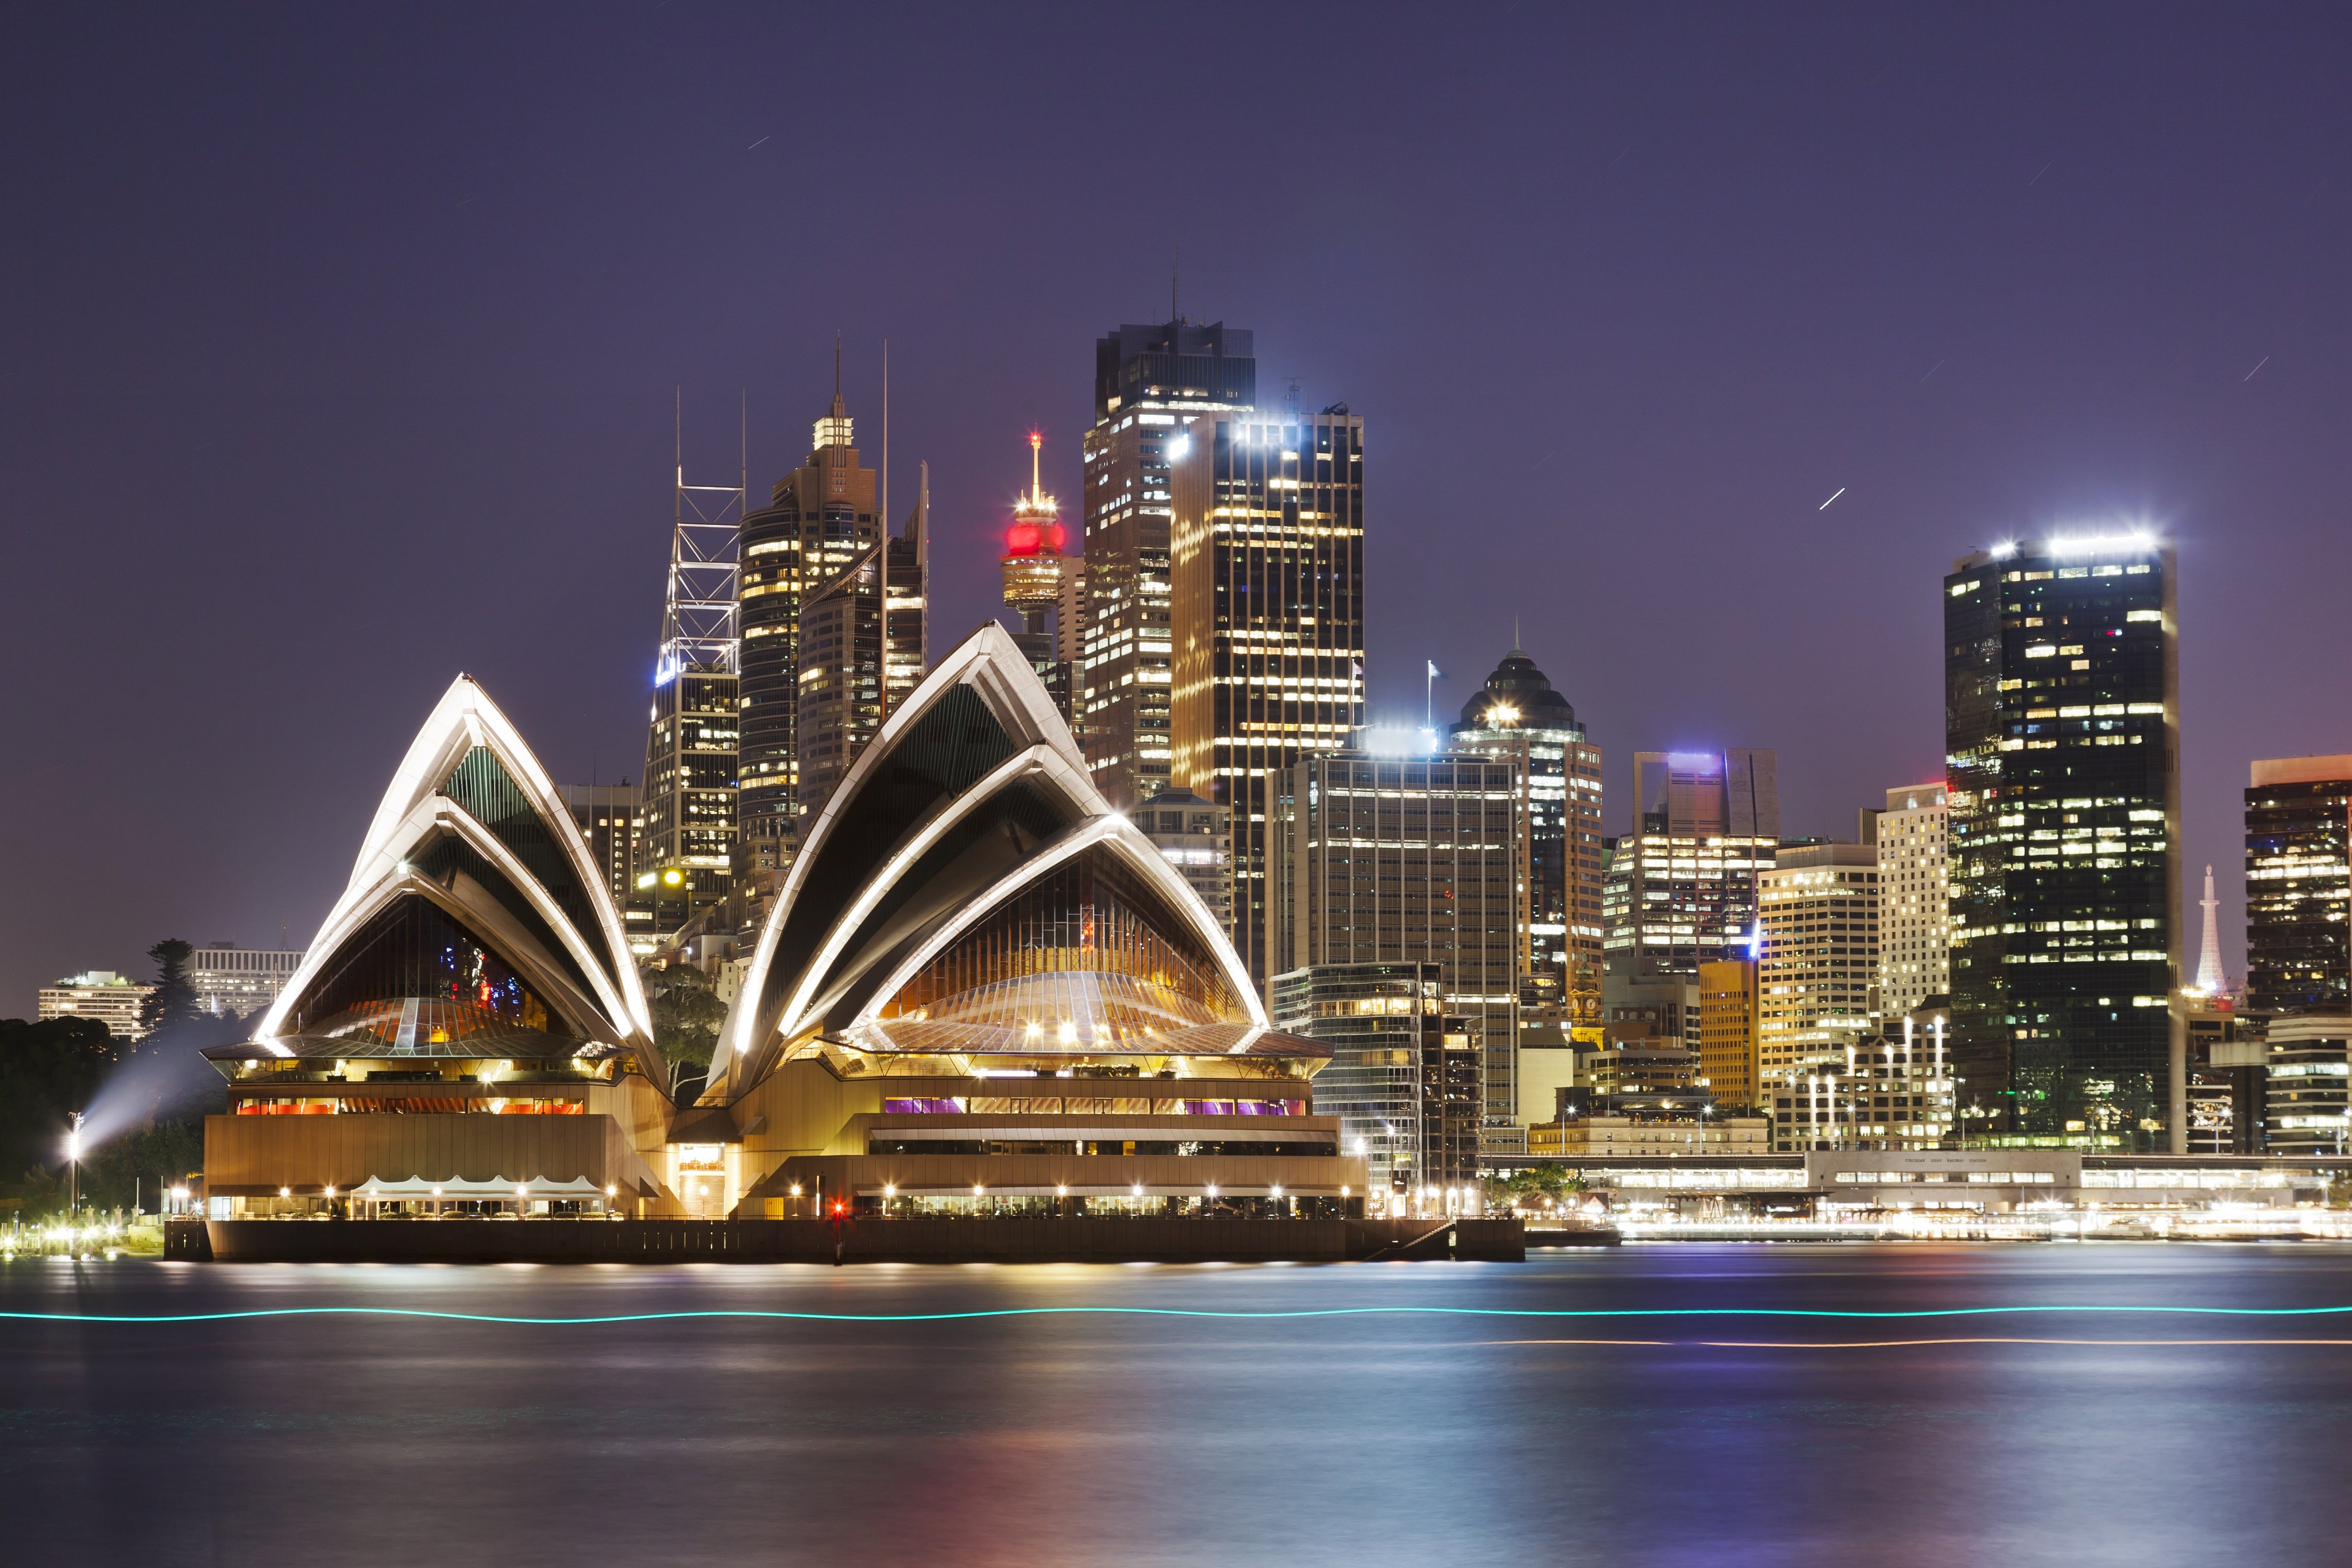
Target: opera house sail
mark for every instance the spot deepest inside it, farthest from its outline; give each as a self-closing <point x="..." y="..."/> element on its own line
<point x="982" y="991"/>
<point x="467" y="1034"/>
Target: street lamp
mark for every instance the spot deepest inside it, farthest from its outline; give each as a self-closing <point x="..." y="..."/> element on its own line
<point x="73" y="1169"/>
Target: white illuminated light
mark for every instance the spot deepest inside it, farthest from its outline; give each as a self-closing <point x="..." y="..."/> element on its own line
<point x="2004" y="549"/>
<point x="1392" y="740"/>
<point x="1178" y="446"/>
<point x="2138" y="538"/>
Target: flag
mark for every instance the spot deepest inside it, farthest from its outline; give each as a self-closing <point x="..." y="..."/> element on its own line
<point x="1355" y="670"/>
<point x="1435" y="673"/>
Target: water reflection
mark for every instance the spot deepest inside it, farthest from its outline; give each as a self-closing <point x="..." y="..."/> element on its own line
<point x="1087" y="1439"/>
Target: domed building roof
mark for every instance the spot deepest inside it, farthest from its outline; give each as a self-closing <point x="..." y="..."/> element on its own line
<point x="1518" y="685"/>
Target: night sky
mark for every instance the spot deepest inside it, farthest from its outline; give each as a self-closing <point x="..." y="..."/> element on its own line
<point x="339" y="345"/>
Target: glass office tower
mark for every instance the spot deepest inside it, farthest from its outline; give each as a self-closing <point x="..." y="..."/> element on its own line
<point x="821" y="518"/>
<point x="2298" y="884"/>
<point x="2063" y="742"/>
<point x="1266" y="611"/>
<point x="1518" y="710"/>
<point x="1149" y="380"/>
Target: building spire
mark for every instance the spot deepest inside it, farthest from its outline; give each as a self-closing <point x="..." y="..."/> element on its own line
<point x="1037" y="485"/>
<point x="2209" y="956"/>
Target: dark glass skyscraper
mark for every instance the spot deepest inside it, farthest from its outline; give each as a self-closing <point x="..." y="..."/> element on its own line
<point x="2063" y="742"/>
<point x="2298" y="945"/>
<point x="1149" y="380"/>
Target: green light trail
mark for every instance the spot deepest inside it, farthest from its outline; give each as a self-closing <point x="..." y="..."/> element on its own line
<point x="1509" y="1312"/>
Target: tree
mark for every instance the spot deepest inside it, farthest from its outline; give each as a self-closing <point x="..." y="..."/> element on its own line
<point x="686" y="1015"/>
<point x="1544" y="1180"/>
<point x="173" y="1000"/>
<point x="47" y="1070"/>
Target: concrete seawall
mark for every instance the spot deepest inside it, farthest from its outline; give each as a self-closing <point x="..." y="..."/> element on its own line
<point x="1089" y="1240"/>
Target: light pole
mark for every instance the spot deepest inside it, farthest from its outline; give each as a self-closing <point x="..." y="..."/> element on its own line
<point x="73" y="1169"/>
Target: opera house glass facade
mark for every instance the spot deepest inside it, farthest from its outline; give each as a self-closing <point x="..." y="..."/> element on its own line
<point x="981" y="992"/>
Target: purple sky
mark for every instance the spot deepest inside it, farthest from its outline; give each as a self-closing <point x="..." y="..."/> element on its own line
<point x="337" y="352"/>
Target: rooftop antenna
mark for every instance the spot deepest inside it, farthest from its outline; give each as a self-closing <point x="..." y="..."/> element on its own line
<point x="1175" y="257"/>
<point x="883" y="511"/>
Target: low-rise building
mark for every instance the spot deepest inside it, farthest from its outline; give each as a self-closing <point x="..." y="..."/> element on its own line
<point x="1892" y="1090"/>
<point x="1580" y="1137"/>
<point x="99" y="993"/>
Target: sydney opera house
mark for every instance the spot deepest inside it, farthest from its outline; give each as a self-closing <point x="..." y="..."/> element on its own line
<point x="981" y="992"/>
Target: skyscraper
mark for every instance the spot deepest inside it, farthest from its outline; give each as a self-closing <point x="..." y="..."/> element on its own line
<point x="1412" y="859"/>
<point x="1729" y="1051"/>
<point x="2061" y="740"/>
<point x="1266" y="607"/>
<point x="1915" y="952"/>
<point x="2299" y="884"/>
<point x="1042" y="586"/>
<point x="820" y="519"/>
<point x="611" y="818"/>
<point x="691" y="733"/>
<point x="1149" y="380"/>
<point x="1818" y="959"/>
<point x="861" y="651"/>
<point x="1404" y="1074"/>
<point x="1517" y="708"/>
<point x="1681" y="888"/>
<point x="1197" y="838"/>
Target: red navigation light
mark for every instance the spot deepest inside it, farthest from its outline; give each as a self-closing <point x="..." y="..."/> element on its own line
<point x="836" y="1208"/>
<point x="1021" y="539"/>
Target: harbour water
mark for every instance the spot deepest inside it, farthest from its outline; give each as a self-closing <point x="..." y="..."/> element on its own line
<point x="1426" y="1438"/>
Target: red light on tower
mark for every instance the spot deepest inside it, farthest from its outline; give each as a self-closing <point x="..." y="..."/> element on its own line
<point x="1035" y="547"/>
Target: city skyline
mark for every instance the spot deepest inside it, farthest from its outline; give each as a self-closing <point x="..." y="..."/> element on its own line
<point x="1928" y="406"/>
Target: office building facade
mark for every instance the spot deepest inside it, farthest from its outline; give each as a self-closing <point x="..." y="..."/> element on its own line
<point x="2307" y="1099"/>
<point x="1149" y="381"/>
<point x="1729" y="1042"/>
<point x="1266" y="611"/>
<point x="1404" y="1077"/>
<point x="1913" y="837"/>
<point x="232" y="980"/>
<point x="2063" y="746"/>
<point x="612" y="819"/>
<point x="1680" y="888"/>
<point x="1412" y="859"/>
<point x="1817" y="962"/>
<point x="101" y="993"/>
<point x="1518" y="715"/>
<point x="1196" y="838"/>
<point x="820" y="518"/>
<point x="860" y="652"/>
<point x="2299" y="884"/>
